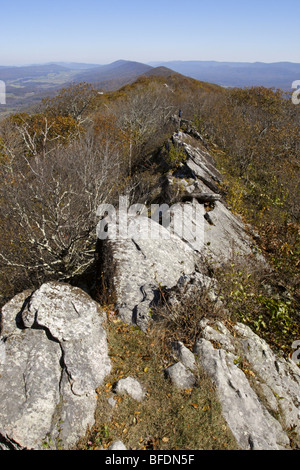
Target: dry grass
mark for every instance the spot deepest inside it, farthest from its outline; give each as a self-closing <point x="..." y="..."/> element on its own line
<point x="168" y="418"/>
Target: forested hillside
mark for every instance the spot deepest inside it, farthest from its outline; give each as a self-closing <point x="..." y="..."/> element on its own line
<point x="84" y="148"/>
<point x="151" y="343"/>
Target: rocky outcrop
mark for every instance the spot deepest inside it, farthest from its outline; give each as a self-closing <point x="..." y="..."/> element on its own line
<point x="53" y="356"/>
<point x="259" y="391"/>
<point x="145" y="265"/>
<point x="224" y="232"/>
<point x="53" y="346"/>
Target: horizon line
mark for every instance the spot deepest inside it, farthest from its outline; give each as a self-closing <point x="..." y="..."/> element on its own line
<point x="54" y="62"/>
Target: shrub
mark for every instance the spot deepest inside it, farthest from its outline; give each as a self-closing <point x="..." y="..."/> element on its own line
<point x="179" y="317"/>
<point x="174" y="155"/>
<point x="251" y="296"/>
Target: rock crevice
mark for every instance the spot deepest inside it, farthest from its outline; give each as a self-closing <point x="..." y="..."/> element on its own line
<point x="51" y="368"/>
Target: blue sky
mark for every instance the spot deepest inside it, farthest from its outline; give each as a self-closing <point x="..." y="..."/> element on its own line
<point x="97" y="31"/>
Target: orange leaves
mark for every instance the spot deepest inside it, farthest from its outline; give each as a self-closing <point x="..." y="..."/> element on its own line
<point x="39" y="131"/>
<point x="206" y="408"/>
<point x="108" y="387"/>
<point x="260" y="97"/>
<point x="249" y="372"/>
<point x="106" y="129"/>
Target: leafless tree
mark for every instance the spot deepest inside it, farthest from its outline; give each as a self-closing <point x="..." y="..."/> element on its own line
<point x="142" y="115"/>
<point x="75" y="101"/>
<point x="48" y="207"/>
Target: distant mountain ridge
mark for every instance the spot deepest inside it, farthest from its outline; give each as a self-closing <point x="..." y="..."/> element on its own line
<point x="121" y="72"/>
<point x="229" y="74"/>
<point x="27" y="85"/>
<point x="238" y="74"/>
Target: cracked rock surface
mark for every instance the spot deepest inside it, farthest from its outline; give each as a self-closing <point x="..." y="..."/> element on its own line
<point x="53" y="356"/>
<point x="224" y="231"/>
<point x="259" y="391"/>
<point x="143" y="264"/>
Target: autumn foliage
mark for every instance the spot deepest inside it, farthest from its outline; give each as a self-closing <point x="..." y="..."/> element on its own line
<point x="82" y="148"/>
<point x="254" y="135"/>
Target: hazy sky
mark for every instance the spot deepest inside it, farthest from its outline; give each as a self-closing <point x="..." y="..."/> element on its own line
<point x="97" y="31"/>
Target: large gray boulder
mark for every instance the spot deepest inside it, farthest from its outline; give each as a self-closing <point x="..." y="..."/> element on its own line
<point x="53" y="356"/>
<point x="148" y="261"/>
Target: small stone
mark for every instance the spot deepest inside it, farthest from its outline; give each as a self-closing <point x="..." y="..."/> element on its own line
<point x="130" y="386"/>
<point x="112" y="402"/>
<point x="117" y="445"/>
<point x="184" y="355"/>
<point x="180" y="376"/>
